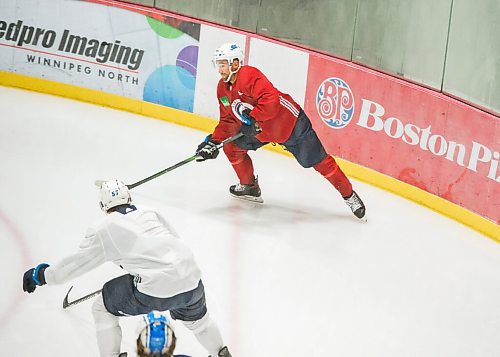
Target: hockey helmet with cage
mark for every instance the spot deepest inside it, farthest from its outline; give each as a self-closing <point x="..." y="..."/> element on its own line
<point x="229" y="52"/>
<point x="156" y="337"/>
<point x="113" y="193"/>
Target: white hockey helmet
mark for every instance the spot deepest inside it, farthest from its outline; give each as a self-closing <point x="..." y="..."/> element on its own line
<point x="113" y="193"/>
<point x="229" y="52"/>
<point x="156" y="336"/>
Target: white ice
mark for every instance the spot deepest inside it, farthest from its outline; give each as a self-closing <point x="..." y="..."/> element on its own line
<point x="296" y="276"/>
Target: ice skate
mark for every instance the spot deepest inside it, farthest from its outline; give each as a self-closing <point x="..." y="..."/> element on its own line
<point x="224" y="352"/>
<point x="250" y="192"/>
<point x="356" y="205"/>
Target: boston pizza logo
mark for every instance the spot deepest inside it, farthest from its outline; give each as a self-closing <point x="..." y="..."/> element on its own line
<point x="335" y="103"/>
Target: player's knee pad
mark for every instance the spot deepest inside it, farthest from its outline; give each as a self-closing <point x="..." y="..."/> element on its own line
<point x="102" y="317"/>
<point x="200" y="325"/>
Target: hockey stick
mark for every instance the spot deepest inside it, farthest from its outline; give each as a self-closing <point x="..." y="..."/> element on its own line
<point x="99" y="183"/>
<point x="67" y="303"/>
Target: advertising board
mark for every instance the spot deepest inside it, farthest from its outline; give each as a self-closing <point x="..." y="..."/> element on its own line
<point x="407" y="132"/>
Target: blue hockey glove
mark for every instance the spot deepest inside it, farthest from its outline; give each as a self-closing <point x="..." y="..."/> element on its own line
<point x="252" y="128"/>
<point x="34" y="277"/>
<point x="207" y="149"/>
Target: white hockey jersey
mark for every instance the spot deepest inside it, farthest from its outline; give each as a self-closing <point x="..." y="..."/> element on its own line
<point x="141" y="242"/>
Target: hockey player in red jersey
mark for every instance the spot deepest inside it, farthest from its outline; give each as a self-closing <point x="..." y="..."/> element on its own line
<point x="250" y="103"/>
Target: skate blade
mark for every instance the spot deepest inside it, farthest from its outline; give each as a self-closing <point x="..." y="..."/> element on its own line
<point x="249" y="198"/>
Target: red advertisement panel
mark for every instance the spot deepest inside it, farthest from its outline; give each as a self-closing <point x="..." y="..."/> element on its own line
<point x="407" y="132"/>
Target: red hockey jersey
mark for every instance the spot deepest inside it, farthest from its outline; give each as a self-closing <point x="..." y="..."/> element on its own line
<point x="274" y="111"/>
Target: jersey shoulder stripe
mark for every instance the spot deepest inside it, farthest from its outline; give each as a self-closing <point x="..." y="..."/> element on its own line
<point x="289" y="106"/>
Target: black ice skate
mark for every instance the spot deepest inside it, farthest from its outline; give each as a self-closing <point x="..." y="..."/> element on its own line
<point x="224" y="352"/>
<point x="356" y="205"/>
<point x="250" y="192"/>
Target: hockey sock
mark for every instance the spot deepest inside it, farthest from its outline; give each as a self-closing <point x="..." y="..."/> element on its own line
<point x="108" y="331"/>
<point x="244" y="170"/>
<point x="207" y="333"/>
<point x="334" y="174"/>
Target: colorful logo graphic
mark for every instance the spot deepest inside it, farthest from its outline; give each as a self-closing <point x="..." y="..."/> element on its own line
<point x="173" y="84"/>
<point x="335" y="103"/>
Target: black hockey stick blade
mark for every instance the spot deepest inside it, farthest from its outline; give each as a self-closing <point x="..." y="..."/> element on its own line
<point x="99" y="183"/>
<point x="67" y="303"/>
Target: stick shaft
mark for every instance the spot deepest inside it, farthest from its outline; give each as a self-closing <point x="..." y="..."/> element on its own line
<point x="179" y="164"/>
<point x="182" y="163"/>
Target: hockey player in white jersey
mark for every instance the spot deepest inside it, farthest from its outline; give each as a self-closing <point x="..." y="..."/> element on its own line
<point x="162" y="273"/>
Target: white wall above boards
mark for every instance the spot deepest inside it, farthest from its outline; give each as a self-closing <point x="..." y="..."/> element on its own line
<point x="285" y="66"/>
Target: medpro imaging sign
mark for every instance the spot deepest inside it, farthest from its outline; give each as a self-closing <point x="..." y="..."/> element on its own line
<point x="101" y="47"/>
<point x="20" y="34"/>
<point x="50" y="52"/>
<point x="407" y="132"/>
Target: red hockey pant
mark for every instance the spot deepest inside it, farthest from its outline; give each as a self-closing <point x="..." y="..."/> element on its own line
<point x="328" y="168"/>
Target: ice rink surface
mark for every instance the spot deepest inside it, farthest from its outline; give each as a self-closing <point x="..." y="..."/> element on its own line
<point x="296" y="276"/>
